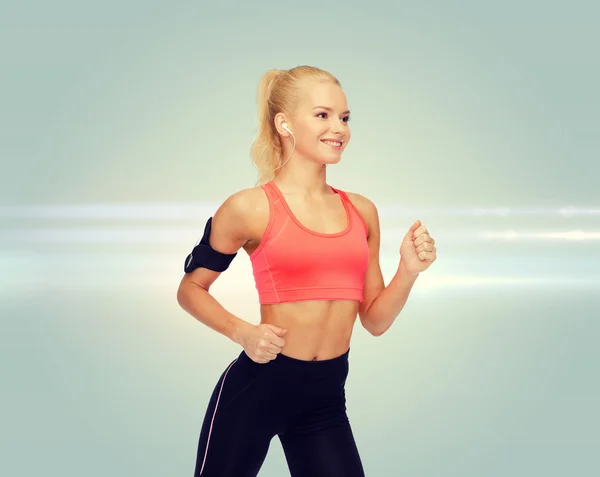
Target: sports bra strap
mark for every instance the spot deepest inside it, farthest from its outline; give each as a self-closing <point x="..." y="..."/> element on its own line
<point x="270" y="191"/>
<point x="343" y="194"/>
<point x="345" y="197"/>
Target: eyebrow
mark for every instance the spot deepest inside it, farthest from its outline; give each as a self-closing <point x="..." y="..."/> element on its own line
<point x="329" y="109"/>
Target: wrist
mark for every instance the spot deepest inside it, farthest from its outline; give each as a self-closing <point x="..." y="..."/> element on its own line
<point x="404" y="274"/>
<point x="236" y="329"/>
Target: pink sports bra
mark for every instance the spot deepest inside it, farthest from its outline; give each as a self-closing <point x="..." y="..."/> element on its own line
<point x="293" y="263"/>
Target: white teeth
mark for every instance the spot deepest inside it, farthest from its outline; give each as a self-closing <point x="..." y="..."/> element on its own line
<point x="333" y="143"/>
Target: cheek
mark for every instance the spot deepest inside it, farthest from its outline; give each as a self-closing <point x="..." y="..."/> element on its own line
<point x="310" y="137"/>
<point x="348" y="136"/>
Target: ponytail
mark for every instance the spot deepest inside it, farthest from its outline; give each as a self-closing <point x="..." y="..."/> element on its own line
<point x="267" y="149"/>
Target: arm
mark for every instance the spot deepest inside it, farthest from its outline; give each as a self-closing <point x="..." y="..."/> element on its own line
<point x="381" y="305"/>
<point x="229" y="233"/>
<point x="235" y="223"/>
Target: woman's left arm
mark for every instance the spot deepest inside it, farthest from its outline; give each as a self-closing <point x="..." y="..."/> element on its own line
<point x="382" y="304"/>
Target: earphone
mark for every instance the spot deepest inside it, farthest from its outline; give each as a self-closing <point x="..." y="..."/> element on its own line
<point x="284" y="126"/>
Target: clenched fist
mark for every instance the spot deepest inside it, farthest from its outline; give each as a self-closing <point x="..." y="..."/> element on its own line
<point x="418" y="250"/>
<point x="262" y="343"/>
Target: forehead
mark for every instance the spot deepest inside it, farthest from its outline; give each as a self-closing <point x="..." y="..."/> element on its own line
<point x="321" y="93"/>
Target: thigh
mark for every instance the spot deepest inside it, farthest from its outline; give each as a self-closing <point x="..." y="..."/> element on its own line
<point x="236" y="432"/>
<point x="329" y="452"/>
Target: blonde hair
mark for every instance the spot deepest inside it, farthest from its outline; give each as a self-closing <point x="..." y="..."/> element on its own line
<point x="277" y="93"/>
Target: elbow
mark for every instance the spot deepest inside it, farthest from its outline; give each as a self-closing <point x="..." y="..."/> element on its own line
<point x="181" y="295"/>
<point x="368" y="322"/>
<point x="187" y="292"/>
<point x="372" y="328"/>
<point x="377" y="331"/>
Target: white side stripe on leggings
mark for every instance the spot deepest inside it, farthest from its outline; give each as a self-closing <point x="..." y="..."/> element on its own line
<point x="214" y="414"/>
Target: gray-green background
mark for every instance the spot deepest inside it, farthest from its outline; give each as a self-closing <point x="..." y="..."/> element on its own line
<point x="125" y="124"/>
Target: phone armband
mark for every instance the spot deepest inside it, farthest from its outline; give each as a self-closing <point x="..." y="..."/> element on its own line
<point x="204" y="256"/>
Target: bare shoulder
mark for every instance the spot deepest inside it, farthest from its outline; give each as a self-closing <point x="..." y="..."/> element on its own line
<point x="367" y="210"/>
<point x="361" y="202"/>
<point x="238" y="219"/>
<point x="241" y="204"/>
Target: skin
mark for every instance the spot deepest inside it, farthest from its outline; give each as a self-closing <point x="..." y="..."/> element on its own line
<point x="307" y="330"/>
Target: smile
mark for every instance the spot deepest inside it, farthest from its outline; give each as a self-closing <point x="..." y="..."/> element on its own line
<point x="335" y="144"/>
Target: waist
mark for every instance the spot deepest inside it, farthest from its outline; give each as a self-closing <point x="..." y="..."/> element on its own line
<point x="307" y="378"/>
<point x="318" y="330"/>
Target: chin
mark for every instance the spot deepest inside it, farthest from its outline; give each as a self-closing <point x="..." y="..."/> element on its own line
<point x="330" y="160"/>
<point x="333" y="161"/>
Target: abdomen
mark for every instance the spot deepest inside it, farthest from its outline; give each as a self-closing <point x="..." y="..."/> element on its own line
<point x="320" y="329"/>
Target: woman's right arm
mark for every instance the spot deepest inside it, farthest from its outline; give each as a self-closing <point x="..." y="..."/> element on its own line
<point x="228" y="235"/>
<point x="231" y="228"/>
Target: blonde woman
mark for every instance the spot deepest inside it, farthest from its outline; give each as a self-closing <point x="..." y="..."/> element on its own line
<point x="314" y="251"/>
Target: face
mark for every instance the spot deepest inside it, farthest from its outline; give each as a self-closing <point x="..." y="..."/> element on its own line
<point x="320" y="122"/>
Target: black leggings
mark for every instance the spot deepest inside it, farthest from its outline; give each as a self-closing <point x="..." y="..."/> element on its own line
<point x="302" y="402"/>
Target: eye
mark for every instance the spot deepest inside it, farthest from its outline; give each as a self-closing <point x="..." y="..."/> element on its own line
<point x="324" y="116"/>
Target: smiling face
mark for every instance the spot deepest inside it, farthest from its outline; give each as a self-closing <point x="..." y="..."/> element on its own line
<point x="320" y="122"/>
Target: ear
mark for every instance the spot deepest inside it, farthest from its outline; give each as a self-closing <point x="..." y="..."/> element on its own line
<point x="279" y="120"/>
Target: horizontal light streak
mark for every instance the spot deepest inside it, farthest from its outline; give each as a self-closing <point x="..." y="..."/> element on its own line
<point x="194" y="211"/>
<point x="115" y="235"/>
<point x="165" y="234"/>
<point x="160" y="211"/>
<point x="511" y="235"/>
<point x="167" y="279"/>
<point x="437" y="281"/>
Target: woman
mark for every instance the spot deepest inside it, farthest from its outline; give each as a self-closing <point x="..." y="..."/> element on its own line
<point x="315" y="256"/>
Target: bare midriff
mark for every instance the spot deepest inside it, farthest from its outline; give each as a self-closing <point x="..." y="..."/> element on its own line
<point x="316" y="330"/>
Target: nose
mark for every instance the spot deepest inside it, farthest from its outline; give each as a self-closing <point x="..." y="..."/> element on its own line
<point x="338" y="126"/>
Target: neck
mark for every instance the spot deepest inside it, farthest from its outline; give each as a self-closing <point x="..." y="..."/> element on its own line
<point x="303" y="175"/>
<point x="303" y="178"/>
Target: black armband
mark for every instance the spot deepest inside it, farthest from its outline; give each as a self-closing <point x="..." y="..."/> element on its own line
<point x="203" y="255"/>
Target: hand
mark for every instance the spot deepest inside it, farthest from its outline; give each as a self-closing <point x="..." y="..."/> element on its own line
<point x="417" y="251"/>
<point x="262" y="343"/>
